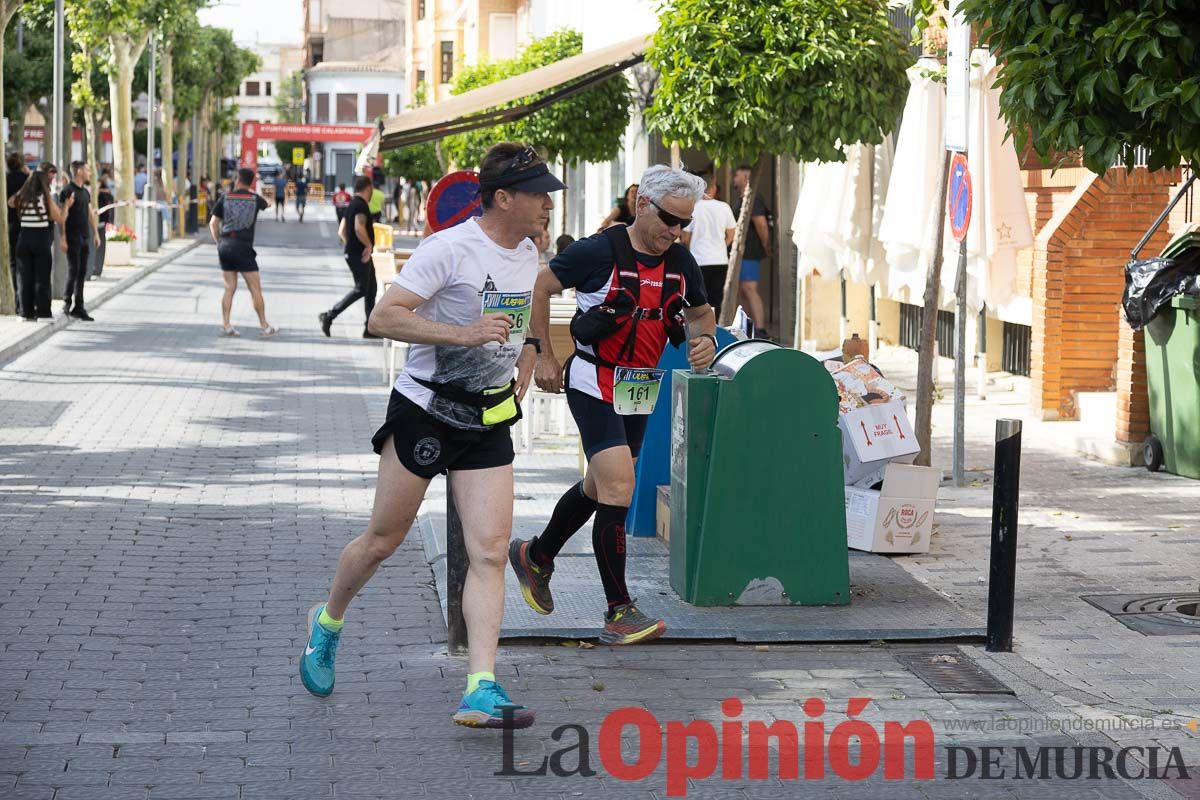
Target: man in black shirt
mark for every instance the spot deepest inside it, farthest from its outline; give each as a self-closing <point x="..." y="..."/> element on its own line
<point x="81" y="232"/>
<point x="358" y="235"/>
<point x="232" y="228"/>
<point x="758" y="247"/>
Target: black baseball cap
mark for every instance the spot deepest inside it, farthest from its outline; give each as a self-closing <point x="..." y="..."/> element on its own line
<point x="525" y="172"/>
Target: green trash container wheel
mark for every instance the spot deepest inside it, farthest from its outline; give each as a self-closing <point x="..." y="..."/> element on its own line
<point x="1152" y="454"/>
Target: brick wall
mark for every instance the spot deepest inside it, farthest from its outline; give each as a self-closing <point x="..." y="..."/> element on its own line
<point x="1078" y="256"/>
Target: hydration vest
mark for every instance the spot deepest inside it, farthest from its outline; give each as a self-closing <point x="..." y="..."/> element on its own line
<point x="622" y="312"/>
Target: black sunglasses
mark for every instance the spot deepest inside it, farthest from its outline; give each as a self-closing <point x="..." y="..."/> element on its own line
<point x="669" y="219"/>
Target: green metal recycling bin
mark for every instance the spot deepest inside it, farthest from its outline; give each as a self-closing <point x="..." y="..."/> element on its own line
<point x="758" y="510"/>
<point x="1173" y="378"/>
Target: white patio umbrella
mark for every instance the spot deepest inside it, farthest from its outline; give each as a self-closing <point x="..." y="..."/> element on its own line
<point x="912" y="205"/>
<point x="838" y="213"/>
<point x="366" y="159"/>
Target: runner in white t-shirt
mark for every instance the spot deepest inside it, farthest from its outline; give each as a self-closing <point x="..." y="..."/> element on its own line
<point x="709" y="237"/>
<point x="463" y="301"/>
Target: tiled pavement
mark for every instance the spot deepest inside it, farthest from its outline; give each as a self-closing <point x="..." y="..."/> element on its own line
<point x="172" y="502"/>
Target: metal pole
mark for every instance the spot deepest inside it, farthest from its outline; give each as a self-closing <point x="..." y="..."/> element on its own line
<point x="56" y="126"/>
<point x="456" y="576"/>
<point x="1002" y="572"/>
<point x="981" y="338"/>
<point x="960" y="367"/>
<point x="152" y="226"/>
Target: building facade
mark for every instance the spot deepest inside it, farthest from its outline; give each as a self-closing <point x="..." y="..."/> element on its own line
<point x="447" y="35"/>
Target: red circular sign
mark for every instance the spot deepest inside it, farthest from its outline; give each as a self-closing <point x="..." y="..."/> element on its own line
<point x="958" y="199"/>
<point x="454" y="199"/>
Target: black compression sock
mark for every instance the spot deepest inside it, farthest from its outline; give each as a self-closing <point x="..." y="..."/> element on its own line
<point x="573" y="510"/>
<point x="608" y="540"/>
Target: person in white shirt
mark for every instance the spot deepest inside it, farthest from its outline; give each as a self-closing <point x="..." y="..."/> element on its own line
<point x="709" y="237"/>
<point x="463" y="301"/>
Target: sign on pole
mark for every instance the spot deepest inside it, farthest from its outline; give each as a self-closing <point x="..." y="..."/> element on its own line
<point x="959" y="200"/>
<point x="298" y="156"/>
<point x="958" y="70"/>
<point x="454" y="199"/>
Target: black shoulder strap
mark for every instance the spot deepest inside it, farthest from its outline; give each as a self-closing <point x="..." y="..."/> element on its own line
<point x="618" y="237"/>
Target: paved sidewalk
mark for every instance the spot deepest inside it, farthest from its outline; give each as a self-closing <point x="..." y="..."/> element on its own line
<point x="1086" y="528"/>
<point x="18" y="336"/>
<point x="173" y="502"/>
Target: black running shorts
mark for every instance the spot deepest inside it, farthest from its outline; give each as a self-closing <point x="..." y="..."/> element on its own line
<point x="426" y="446"/>
<point x="235" y="256"/>
<point x="601" y="427"/>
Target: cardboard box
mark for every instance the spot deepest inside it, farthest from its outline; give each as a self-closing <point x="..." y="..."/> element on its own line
<point x="872" y="437"/>
<point x="662" y="514"/>
<point x="897" y="518"/>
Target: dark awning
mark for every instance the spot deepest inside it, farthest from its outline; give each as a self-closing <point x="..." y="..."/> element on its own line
<point x="478" y="108"/>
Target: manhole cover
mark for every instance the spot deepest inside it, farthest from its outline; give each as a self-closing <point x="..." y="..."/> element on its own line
<point x="951" y="672"/>
<point x="1153" y="614"/>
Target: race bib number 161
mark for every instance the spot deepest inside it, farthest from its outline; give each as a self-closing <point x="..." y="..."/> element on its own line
<point x="635" y="391"/>
<point x="516" y="305"/>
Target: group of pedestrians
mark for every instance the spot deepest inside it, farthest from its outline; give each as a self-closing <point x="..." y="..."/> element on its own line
<point x="300" y="189"/>
<point x="34" y="210"/>
<point x="475" y="308"/>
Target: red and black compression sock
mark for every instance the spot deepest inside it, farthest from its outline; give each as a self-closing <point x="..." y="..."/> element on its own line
<point x="608" y="540"/>
<point x="571" y="513"/>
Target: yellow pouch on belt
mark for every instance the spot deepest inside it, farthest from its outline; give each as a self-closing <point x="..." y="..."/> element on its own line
<point x="503" y="408"/>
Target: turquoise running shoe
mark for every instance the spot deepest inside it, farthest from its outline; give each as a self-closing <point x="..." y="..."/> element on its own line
<point x="316" y="663"/>
<point x="490" y="707"/>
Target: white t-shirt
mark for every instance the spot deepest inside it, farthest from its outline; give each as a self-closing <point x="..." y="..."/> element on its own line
<point x="710" y="219"/>
<point x="452" y="270"/>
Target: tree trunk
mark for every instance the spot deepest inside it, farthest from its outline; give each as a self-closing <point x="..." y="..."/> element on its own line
<point x="201" y="152"/>
<point x="68" y="135"/>
<point x="730" y="304"/>
<point x="927" y="355"/>
<point x="166" y="84"/>
<point x="92" y="137"/>
<point x="181" y="192"/>
<point x="120" y="87"/>
<point x="8" y="302"/>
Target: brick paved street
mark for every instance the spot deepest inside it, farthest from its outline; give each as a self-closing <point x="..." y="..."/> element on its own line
<point x="173" y="501"/>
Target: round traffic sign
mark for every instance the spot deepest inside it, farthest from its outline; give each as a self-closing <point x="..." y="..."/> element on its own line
<point x="958" y="199"/>
<point x="454" y="199"/>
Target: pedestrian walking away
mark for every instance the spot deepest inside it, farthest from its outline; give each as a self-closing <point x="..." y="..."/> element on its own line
<point x="280" y="186"/>
<point x="301" y="195"/>
<point x="636" y="288"/>
<point x="758" y="247"/>
<point x="36" y="207"/>
<point x="232" y="228"/>
<point x="708" y="237"/>
<point x="82" y="234"/>
<point x="341" y="199"/>
<point x="376" y="204"/>
<point x="462" y="301"/>
<point x="357" y="234"/>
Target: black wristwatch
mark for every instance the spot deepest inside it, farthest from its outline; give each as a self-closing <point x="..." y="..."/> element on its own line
<point x="712" y="336"/>
<point x="537" y="344"/>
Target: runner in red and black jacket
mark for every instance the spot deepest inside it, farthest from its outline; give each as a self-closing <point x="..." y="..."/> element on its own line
<point x="635" y="288"/>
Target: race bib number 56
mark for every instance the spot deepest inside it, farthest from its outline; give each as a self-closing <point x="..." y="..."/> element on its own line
<point x="635" y="391"/>
<point x="516" y="305"/>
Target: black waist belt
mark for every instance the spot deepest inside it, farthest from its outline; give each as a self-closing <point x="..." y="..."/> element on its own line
<point x="458" y="394"/>
<point x="597" y="361"/>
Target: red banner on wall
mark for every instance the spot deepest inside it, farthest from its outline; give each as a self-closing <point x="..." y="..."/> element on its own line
<point x="253" y="130"/>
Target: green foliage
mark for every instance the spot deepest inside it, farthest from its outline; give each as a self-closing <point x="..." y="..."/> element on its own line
<point x="140" y="136"/>
<point x="791" y="77"/>
<point x="289" y="102"/>
<point x="1103" y="76"/>
<point x="587" y="126"/>
<point x="28" y="76"/>
<point x="418" y="162"/>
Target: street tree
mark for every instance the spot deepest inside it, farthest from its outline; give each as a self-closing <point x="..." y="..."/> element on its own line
<point x="801" y="78"/>
<point x="7" y="301"/>
<point x="28" y="73"/>
<point x="175" y="27"/>
<point x="289" y="101"/>
<point x="1101" y="77"/>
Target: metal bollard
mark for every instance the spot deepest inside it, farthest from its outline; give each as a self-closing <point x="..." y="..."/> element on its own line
<point x="1002" y="572"/>
<point x="456" y="577"/>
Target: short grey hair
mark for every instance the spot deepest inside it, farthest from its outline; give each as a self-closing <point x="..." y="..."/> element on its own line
<point x="660" y="181"/>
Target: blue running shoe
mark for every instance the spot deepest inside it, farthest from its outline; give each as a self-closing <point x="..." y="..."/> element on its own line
<point x="316" y="664"/>
<point x="490" y="707"/>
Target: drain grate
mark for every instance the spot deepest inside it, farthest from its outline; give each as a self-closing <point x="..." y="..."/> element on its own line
<point x="950" y="672"/>
<point x="1153" y="614"/>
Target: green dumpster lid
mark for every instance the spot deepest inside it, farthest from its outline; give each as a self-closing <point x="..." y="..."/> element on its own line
<point x="1184" y="301"/>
